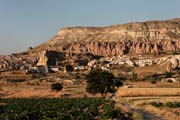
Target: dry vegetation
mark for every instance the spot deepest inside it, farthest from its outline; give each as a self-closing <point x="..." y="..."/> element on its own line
<point x="150" y="70"/>
<point x="40" y="86"/>
<point x="134" y="92"/>
<point x="139" y="99"/>
<point x="43" y="90"/>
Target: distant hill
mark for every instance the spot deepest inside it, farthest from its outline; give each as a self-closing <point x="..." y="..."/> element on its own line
<point x="131" y="38"/>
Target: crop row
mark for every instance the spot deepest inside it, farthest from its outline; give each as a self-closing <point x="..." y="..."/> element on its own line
<point x="58" y="109"/>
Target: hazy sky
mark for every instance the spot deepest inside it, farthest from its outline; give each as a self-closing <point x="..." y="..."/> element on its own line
<point x="25" y="23"/>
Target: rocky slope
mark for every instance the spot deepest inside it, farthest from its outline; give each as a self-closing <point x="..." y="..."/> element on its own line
<point x="130" y="38"/>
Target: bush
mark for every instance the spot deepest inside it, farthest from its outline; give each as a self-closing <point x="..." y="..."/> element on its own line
<point x="157" y="104"/>
<point x="56" y="86"/>
<point x="173" y="104"/>
<point x="168" y="104"/>
<point x="153" y="81"/>
<point x="154" y="77"/>
<point x="168" y="74"/>
<point x="78" y="76"/>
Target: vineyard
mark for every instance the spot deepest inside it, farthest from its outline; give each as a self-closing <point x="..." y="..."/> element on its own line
<point x="58" y="109"/>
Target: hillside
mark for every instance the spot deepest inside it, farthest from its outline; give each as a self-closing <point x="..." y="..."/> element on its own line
<point x="130" y="38"/>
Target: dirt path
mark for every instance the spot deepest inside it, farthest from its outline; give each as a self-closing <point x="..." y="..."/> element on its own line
<point x="146" y="115"/>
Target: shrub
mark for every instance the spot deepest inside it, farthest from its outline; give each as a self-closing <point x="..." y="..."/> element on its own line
<point x="168" y="74"/>
<point x="78" y="76"/>
<point x="173" y="104"/>
<point x="168" y="104"/>
<point x="56" y="86"/>
<point x="153" y="81"/>
<point x="157" y="104"/>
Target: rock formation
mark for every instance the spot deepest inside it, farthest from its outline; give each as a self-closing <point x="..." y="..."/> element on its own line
<point x="50" y="58"/>
<point x="43" y="59"/>
<point x="172" y="62"/>
<point x="130" y="38"/>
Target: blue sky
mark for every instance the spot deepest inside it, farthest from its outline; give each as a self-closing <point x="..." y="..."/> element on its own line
<point x="25" y="23"/>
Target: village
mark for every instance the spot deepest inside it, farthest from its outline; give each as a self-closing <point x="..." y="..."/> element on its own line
<point x="51" y="61"/>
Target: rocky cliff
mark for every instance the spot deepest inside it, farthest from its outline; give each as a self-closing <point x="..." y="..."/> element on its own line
<point x="130" y="38"/>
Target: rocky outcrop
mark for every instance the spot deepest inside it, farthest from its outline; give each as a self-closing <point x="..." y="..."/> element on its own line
<point x="43" y="59"/>
<point x="50" y="58"/>
<point x="131" y="38"/>
<point x="172" y="62"/>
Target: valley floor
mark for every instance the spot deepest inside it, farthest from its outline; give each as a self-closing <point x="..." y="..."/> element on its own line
<point x="138" y="100"/>
<point x="135" y="97"/>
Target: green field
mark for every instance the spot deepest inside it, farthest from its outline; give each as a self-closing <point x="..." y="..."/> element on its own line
<point x="58" y="109"/>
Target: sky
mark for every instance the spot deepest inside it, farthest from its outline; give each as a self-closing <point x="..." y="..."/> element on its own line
<point x="25" y="23"/>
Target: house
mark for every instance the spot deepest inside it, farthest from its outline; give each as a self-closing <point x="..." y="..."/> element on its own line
<point x="92" y="63"/>
<point x="104" y="68"/>
<point x="130" y="63"/>
<point x="55" y="69"/>
<point x="145" y="62"/>
<point x="80" y="68"/>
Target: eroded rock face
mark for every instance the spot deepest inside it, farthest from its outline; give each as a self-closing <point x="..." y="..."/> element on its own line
<point x="131" y="38"/>
<point x="43" y="59"/>
<point x="50" y="58"/>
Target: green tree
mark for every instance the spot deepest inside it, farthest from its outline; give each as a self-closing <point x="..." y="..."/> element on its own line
<point x="102" y="82"/>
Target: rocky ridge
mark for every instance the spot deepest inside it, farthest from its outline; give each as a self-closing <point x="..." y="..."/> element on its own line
<point x="131" y="38"/>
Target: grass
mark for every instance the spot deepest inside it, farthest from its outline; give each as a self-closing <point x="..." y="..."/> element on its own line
<point x="142" y="98"/>
<point x="149" y="70"/>
<point x="134" y="92"/>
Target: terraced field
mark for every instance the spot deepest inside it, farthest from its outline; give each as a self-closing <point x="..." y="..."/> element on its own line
<point x="142" y="92"/>
<point x="139" y="101"/>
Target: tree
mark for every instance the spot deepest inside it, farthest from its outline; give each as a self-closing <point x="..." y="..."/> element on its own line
<point x="56" y="86"/>
<point x="69" y="68"/>
<point x="102" y="82"/>
<point x="134" y="76"/>
<point x="168" y="74"/>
